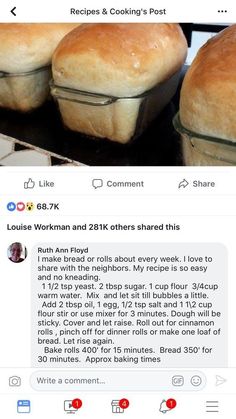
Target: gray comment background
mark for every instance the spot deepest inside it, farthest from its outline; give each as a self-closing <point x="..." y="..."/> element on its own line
<point x="129" y="305"/>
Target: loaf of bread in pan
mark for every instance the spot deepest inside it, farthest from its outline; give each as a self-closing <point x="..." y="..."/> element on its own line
<point x="23" y="48"/>
<point x="122" y="60"/>
<point x="208" y="95"/>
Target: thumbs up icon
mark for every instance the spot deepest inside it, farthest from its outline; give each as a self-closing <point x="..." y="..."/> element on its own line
<point x="29" y="184"/>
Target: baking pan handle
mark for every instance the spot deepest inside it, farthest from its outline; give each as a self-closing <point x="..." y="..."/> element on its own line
<point x="4" y="74"/>
<point x="85" y="98"/>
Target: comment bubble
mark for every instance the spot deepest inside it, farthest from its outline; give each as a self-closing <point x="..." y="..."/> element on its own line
<point x="129" y="305"/>
<point x="97" y="183"/>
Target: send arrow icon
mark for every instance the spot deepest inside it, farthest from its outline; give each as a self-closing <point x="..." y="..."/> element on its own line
<point x="13" y="11"/>
<point x="220" y="380"/>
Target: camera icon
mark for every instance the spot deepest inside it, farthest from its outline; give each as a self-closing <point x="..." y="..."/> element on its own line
<point x="14" y="381"/>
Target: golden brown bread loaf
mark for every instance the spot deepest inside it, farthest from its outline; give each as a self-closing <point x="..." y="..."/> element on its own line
<point x="122" y="60"/>
<point x="208" y="95"/>
<point x="119" y="59"/>
<point x="26" y="47"/>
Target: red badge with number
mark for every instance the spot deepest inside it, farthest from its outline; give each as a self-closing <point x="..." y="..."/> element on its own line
<point x="76" y="403"/>
<point x="124" y="403"/>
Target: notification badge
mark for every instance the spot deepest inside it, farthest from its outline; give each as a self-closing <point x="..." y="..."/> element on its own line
<point x="124" y="403"/>
<point x="119" y="406"/>
<point x="167" y="405"/>
<point x="72" y="406"/>
<point x="77" y="403"/>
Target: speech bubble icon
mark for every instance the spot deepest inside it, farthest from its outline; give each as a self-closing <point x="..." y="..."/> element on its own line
<point x="97" y="183"/>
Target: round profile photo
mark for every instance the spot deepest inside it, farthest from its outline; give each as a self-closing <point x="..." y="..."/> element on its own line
<point x="17" y="252"/>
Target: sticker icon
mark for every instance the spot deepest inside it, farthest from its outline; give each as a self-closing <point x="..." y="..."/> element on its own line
<point x="11" y="206"/>
<point x="29" y="206"/>
<point x="20" y="206"/>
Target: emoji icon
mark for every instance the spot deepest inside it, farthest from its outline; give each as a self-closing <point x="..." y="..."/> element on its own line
<point x="11" y="206"/>
<point x="20" y="206"/>
<point x="29" y="206"/>
<point x="196" y="380"/>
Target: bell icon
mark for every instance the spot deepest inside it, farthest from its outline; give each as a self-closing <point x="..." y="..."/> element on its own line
<point x="163" y="407"/>
<point x="167" y="405"/>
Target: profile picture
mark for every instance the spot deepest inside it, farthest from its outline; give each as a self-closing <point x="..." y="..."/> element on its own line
<point x="17" y="252"/>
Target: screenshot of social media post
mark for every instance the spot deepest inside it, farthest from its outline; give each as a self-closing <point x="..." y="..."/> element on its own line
<point x="115" y="94"/>
<point x="117" y="296"/>
<point x="117" y="209"/>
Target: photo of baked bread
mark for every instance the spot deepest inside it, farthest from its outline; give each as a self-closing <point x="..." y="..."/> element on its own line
<point x="207" y="115"/>
<point x="137" y="94"/>
<point x="112" y="79"/>
<point x="25" y="62"/>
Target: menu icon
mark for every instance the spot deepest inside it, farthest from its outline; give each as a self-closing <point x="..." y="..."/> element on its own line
<point x="212" y="406"/>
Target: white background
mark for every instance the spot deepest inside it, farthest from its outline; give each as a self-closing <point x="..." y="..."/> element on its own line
<point x="204" y="216"/>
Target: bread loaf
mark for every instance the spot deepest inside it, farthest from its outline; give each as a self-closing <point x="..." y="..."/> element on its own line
<point x="208" y="95"/>
<point x="25" y="48"/>
<point x="121" y="60"/>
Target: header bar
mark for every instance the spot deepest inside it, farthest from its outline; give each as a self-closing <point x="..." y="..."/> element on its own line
<point x="106" y="11"/>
